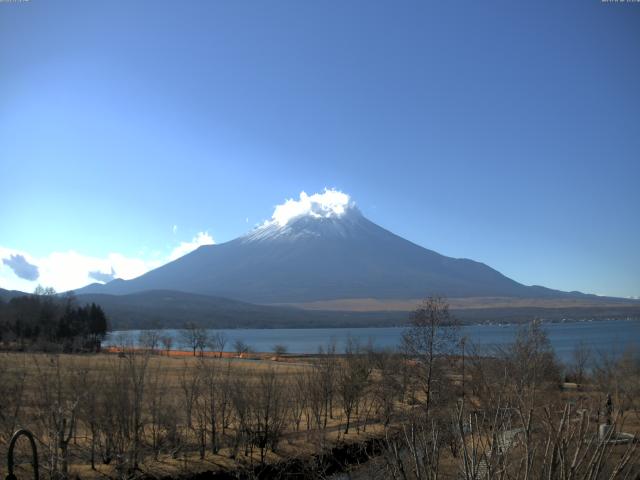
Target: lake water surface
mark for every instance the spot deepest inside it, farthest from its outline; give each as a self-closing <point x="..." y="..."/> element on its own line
<point x="606" y="336"/>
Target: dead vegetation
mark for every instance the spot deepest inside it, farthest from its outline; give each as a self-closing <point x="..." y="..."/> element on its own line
<point x="438" y="409"/>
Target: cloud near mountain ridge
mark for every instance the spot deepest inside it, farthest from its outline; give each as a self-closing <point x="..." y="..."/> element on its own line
<point x="71" y="270"/>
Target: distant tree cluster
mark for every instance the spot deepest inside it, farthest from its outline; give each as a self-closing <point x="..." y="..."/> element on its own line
<point x="45" y="320"/>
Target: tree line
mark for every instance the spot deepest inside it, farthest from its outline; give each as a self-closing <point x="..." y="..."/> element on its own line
<point x="48" y="321"/>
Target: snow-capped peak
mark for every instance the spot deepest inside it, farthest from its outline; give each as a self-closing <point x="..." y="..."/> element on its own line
<point x="329" y="203"/>
<point x="329" y="213"/>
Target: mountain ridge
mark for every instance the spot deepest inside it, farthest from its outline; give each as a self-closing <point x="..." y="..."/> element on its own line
<point x="318" y="258"/>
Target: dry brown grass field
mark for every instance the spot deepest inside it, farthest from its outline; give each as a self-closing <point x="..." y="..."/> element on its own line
<point x="63" y="379"/>
<point x="376" y="305"/>
<point x="130" y="413"/>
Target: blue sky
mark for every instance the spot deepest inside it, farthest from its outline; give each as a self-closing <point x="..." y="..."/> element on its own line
<point x="506" y="132"/>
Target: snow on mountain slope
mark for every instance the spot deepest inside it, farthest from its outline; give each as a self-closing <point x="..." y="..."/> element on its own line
<point x="321" y="247"/>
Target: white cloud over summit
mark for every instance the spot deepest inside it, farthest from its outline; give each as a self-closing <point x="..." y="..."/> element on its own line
<point x="327" y="204"/>
<point x="71" y="270"/>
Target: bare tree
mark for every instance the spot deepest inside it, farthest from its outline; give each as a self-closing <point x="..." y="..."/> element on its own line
<point x="116" y="413"/>
<point x="388" y="389"/>
<point x="279" y="350"/>
<point x="581" y="356"/>
<point x="430" y="337"/>
<point x="240" y="347"/>
<point x="561" y="444"/>
<point x="326" y="368"/>
<point x="240" y="396"/>
<point x="167" y="343"/>
<point x="298" y="403"/>
<point x="201" y="408"/>
<point x="225" y="396"/>
<point x="156" y="403"/>
<point x="316" y="398"/>
<point x="213" y="397"/>
<point x="353" y="376"/>
<point x="57" y="407"/>
<point x="218" y="341"/>
<point x="195" y="338"/>
<point x="618" y="376"/>
<point x="136" y="364"/>
<point x="149" y="340"/>
<point x="268" y="413"/>
<point x="12" y="400"/>
<point x="530" y="365"/>
<point x="190" y="385"/>
<point x="92" y="388"/>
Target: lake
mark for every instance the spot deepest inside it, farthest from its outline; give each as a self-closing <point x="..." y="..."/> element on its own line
<point x="606" y="336"/>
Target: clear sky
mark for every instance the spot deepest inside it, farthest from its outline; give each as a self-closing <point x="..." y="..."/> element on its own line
<point x="507" y="132"/>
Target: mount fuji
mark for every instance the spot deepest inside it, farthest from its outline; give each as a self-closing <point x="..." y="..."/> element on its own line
<point x="322" y="248"/>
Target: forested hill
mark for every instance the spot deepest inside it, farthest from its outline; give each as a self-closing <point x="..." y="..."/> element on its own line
<point x="173" y="309"/>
